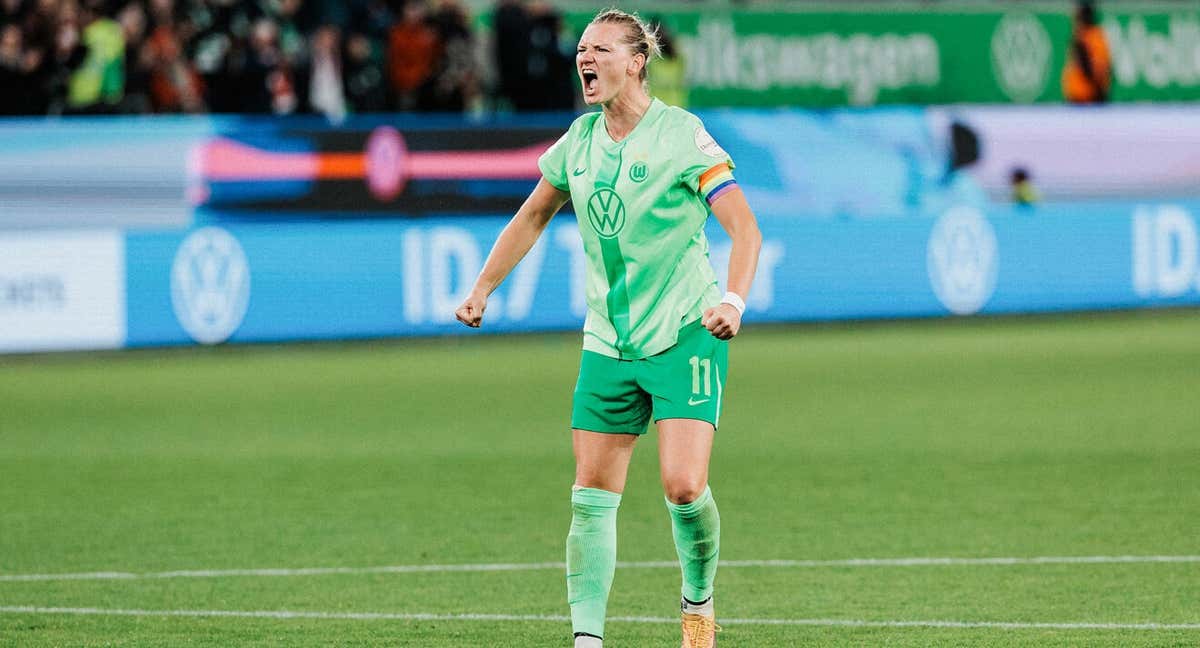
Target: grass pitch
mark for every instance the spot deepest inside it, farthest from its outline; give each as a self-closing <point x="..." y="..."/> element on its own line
<point x="1040" y="437"/>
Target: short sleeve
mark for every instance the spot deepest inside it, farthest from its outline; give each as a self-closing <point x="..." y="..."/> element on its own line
<point x="699" y="154"/>
<point x="553" y="163"/>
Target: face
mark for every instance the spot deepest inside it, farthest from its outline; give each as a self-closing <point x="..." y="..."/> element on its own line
<point x="359" y="47"/>
<point x="325" y="40"/>
<point x="10" y="41"/>
<point x="606" y="66"/>
<point x="133" y="21"/>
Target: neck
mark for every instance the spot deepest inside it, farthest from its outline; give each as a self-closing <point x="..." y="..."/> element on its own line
<point x="624" y="112"/>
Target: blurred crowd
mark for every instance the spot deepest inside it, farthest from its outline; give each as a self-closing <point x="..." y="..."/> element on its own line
<point x="331" y="57"/>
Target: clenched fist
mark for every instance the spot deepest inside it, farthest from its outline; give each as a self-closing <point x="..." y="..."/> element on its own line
<point x="471" y="311"/>
<point x="723" y="321"/>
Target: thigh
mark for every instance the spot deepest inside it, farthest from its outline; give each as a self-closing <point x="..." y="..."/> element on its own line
<point x="684" y="449"/>
<point x="607" y="397"/>
<point x="687" y="381"/>
<point x="602" y="460"/>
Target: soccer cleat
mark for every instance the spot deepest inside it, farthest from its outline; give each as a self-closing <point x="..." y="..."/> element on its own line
<point x="699" y="631"/>
<point x="584" y="640"/>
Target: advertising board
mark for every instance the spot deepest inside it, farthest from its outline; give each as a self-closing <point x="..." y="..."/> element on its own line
<point x="62" y="290"/>
<point x="291" y="281"/>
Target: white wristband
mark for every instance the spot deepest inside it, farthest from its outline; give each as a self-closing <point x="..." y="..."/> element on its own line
<point x="734" y="300"/>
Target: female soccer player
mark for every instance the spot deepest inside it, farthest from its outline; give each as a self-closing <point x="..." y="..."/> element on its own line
<point x="642" y="176"/>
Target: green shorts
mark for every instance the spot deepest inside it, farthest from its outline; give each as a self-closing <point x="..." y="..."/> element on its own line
<point x="621" y="396"/>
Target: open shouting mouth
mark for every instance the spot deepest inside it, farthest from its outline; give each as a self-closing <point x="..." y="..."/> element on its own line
<point x="590" y="80"/>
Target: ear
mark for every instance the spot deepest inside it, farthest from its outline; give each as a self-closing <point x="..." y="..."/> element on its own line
<point x="635" y="68"/>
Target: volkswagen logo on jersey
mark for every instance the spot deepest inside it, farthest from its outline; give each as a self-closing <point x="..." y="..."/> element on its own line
<point x="962" y="260"/>
<point x="210" y="285"/>
<point x="606" y="212"/>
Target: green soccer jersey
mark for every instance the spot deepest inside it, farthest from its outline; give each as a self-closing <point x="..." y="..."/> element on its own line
<point x="641" y="214"/>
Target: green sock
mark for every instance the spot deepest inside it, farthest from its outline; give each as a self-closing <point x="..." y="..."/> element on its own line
<point x="697" y="530"/>
<point x="591" y="557"/>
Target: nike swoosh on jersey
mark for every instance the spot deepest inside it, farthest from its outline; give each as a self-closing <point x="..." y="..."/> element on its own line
<point x="579" y="172"/>
<point x="698" y="402"/>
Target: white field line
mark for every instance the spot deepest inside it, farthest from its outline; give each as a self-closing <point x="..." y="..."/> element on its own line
<point x="419" y="616"/>
<point x="534" y="566"/>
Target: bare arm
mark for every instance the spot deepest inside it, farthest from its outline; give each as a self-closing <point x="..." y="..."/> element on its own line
<point x="733" y="212"/>
<point x="511" y="246"/>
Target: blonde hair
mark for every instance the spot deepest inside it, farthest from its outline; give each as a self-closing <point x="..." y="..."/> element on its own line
<point x="639" y="35"/>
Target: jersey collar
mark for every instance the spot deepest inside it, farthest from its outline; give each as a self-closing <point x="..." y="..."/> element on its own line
<point x="650" y="115"/>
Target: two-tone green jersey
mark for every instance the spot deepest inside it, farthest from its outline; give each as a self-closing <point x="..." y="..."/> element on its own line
<point x="641" y="207"/>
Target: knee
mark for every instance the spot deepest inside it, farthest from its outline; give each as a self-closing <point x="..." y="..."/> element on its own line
<point x="684" y="490"/>
<point x="601" y="477"/>
<point x="599" y="482"/>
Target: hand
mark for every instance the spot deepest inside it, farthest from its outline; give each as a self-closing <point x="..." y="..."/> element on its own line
<point x="723" y="321"/>
<point x="471" y="311"/>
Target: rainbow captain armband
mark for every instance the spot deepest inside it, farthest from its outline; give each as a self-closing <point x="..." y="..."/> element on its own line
<point x="716" y="182"/>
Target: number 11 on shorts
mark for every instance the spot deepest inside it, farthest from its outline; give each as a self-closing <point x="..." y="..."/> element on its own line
<point x="697" y="362"/>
